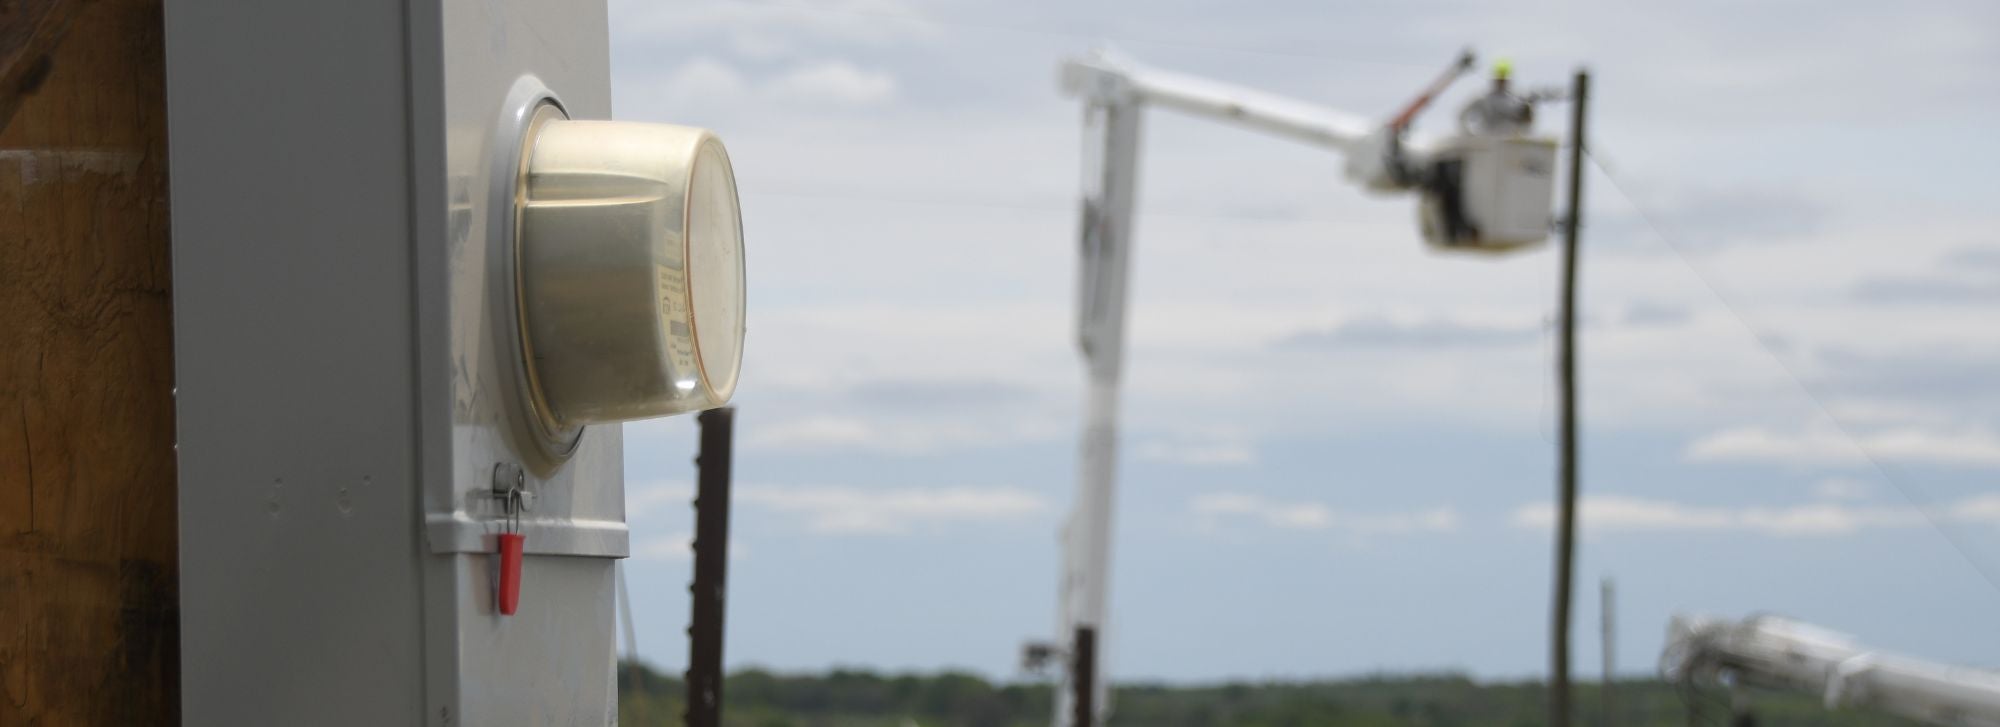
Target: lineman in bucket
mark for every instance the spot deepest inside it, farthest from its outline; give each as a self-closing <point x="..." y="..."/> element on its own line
<point x="1500" y="112"/>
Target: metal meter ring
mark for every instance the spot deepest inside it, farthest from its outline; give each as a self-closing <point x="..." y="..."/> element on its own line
<point x="555" y="439"/>
<point x="627" y="273"/>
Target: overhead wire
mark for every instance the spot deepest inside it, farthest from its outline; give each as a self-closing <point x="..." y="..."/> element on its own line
<point x="1923" y="504"/>
<point x="1917" y="499"/>
<point x="1926" y="507"/>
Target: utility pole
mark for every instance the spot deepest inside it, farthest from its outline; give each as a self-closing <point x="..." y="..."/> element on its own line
<point x="1606" y="601"/>
<point x="711" y="564"/>
<point x="1559" y="696"/>
<point x="90" y="585"/>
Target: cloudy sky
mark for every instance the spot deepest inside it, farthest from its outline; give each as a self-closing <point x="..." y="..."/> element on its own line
<point x="1339" y="449"/>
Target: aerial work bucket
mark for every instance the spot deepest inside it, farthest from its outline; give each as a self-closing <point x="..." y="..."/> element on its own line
<point x="1489" y="194"/>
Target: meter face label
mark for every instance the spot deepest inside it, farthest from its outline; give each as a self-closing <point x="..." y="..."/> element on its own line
<point x="672" y="289"/>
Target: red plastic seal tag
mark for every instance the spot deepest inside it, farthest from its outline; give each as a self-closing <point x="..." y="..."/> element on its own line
<point x="510" y="571"/>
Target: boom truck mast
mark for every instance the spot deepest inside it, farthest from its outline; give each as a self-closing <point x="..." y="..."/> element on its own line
<point x="1487" y="188"/>
<point x="1779" y="653"/>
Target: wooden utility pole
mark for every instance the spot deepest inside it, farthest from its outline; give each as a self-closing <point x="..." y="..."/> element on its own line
<point x="1560" y="706"/>
<point x="89" y="628"/>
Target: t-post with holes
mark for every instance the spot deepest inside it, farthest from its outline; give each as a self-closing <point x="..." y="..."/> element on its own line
<point x="711" y="567"/>
<point x="1486" y="189"/>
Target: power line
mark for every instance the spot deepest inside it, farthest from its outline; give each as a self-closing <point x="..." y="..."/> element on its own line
<point x="1923" y="504"/>
<point x="1917" y="499"/>
<point x="1953" y="537"/>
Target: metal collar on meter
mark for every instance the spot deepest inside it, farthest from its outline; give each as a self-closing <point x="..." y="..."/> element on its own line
<point x="629" y="273"/>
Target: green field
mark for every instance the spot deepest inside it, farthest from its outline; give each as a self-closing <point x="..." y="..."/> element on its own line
<point x="755" y="698"/>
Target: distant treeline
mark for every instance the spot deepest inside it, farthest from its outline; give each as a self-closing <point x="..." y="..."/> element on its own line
<point x="848" y="698"/>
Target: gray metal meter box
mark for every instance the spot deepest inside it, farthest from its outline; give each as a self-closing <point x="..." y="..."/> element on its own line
<point x="349" y="371"/>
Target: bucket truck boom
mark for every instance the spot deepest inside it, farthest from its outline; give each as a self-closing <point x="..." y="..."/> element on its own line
<point x="1778" y="653"/>
<point x="1482" y="191"/>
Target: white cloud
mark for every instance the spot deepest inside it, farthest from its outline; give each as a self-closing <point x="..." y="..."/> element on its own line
<point x="1376" y="332"/>
<point x="759" y="44"/>
<point x="645" y="498"/>
<point x="707" y="80"/>
<point x="1878" y="411"/>
<point x="815" y="432"/>
<point x="1983" y="509"/>
<point x="835" y="81"/>
<point x="1204" y="453"/>
<point x="1840" y="488"/>
<point x="1293" y="515"/>
<point x="677" y="546"/>
<point x="762" y="30"/>
<point x="831" y="510"/>
<point x="1215" y="508"/>
<point x="896" y="409"/>
<point x="870" y="511"/>
<point x="1969" y="447"/>
<point x="890" y="433"/>
<point x="1618" y="513"/>
<point x="1823" y="445"/>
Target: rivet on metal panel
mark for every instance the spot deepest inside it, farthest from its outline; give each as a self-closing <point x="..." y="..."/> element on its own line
<point x="510" y="487"/>
<point x="508" y="479"/>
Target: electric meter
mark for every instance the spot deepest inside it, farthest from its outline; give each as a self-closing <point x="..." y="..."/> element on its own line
<point x="629" y="272"/>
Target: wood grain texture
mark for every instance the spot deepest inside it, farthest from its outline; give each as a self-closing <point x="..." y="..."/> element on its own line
<point x="88" y="617"/>
<point x="29" y="29"/>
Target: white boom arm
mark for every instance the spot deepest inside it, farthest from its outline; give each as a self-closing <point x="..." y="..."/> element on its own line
<point x="1379" y="157"/>
<point x="1105" y="80"/>
<point x="1779" y="653"/>
<point x="1109" y="79"/>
